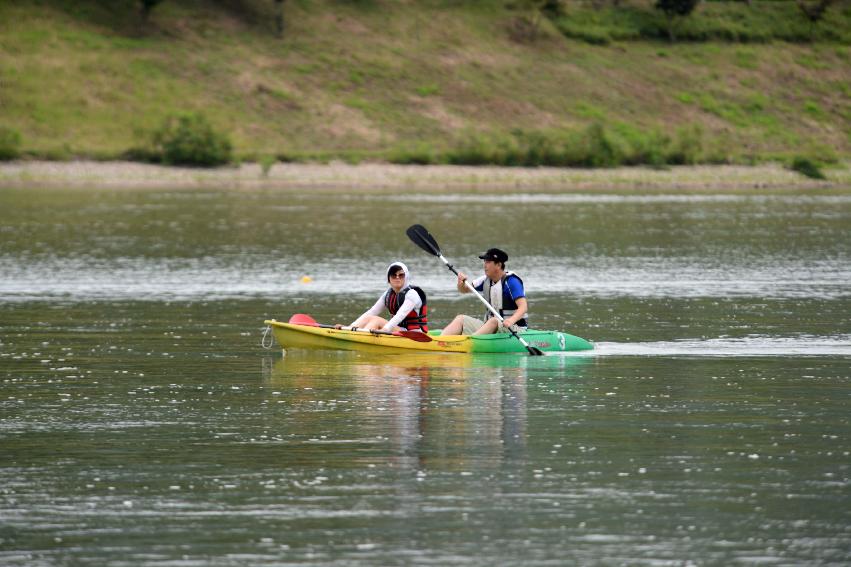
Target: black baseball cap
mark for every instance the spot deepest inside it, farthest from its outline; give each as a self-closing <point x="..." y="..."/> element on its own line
<point x="495" y="254"/>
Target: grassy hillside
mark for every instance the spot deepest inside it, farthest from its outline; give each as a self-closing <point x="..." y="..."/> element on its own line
<point x="397" y="79"/>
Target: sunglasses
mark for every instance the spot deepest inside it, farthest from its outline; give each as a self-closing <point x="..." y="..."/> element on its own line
<point x="398" y="275"/>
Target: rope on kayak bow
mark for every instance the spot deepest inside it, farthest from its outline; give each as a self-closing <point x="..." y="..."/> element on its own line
<point x="267" y="333"/>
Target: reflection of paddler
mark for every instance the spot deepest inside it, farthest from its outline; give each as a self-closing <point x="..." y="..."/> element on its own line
<point x="559" y="362"/>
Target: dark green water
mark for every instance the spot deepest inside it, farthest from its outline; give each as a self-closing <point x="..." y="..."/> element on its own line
<point x="141" y="423"/>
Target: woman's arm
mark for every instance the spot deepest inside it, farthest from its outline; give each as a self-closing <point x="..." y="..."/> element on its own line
<point x="412" y="301"/>
<point x="374" y="310"/>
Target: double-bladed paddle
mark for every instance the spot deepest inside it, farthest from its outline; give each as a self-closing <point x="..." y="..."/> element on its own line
<point x="308" y="321"/>
<point x="423" y="238"/>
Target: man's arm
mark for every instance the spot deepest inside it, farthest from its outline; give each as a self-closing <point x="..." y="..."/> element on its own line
<point x="522" y="308"/>
<point x="476" y="283"/>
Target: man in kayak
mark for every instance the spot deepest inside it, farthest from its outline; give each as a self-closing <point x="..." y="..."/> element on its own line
<point x="503" y="290"/>
<point x="405" y="302"/>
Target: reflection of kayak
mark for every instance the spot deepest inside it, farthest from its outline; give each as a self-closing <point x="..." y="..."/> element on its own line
<point x="291" y="335"/>
<point x="306" y="365"/>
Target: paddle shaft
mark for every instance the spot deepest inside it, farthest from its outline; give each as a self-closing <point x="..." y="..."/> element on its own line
<point x="376" y="331"/>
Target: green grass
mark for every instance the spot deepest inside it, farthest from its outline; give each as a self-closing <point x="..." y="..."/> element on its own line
<point x="427" y="82"/>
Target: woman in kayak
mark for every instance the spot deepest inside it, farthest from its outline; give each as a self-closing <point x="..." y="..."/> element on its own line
<point x="405" y="302"/>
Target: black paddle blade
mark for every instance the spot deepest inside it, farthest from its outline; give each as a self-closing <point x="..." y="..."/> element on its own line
<point x="533" y="350"/>
<point x="422" y="238"/>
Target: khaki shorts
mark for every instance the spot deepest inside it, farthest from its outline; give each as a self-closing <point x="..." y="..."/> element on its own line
<point x="471" y="325"/>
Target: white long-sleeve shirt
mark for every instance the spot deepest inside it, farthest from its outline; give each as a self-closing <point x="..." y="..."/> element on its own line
<point x="412" y="302"/>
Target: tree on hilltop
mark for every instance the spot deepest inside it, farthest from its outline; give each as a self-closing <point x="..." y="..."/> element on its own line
<point x="147" y="7"/>
<point x="813" y="10"/>
<point x="524" y="27"/>
<point x="279" y="17"/>
<point x="674" y="9"/>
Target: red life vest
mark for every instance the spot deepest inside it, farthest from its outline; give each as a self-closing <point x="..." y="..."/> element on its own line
<point x="413" y="321"/>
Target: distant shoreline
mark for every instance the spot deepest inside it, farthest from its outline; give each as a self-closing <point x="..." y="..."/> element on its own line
<point x="338" y="176"/>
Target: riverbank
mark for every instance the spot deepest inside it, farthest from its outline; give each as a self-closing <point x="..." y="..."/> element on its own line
<point x="374" y="176"/>
<point x="408" y="82"/>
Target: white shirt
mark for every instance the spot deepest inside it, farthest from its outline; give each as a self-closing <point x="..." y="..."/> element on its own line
<point x="412" y="302"/>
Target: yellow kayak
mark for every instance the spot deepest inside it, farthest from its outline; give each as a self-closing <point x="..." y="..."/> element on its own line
<point x="290" y="335"/>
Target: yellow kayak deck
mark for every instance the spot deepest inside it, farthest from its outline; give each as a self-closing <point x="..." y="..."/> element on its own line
<point x="289" y="335"/>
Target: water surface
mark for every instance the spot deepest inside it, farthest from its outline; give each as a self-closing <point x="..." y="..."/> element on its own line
<point x="142" y="424"/>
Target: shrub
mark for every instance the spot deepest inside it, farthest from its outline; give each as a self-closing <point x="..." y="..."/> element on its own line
<point x="599" y="149"/>
<point x="266" y="163"/>
<point x="594" y="147"/>
<point x="688" y="146"/>
<point x="10" y="144"/>
<point x="594" y="35"/>
<point x="764" y="21"/>
<point x="189" y="139"/>
<point x="807" y="167"/>
<point x="418" y="154"/>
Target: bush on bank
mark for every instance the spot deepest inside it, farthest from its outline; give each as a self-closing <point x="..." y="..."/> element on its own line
<point x="10" y="144"/>
<point x="806" y="167"/>
<point x="593" y="147"/>
<point x="755" y="21"/>
<point x="186" y="139"/>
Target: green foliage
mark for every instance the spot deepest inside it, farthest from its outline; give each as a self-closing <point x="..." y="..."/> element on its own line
<point x="526" y="26"/>
<point x="687" y="148"/>
<point x="266" y="163"/>
<point x="598" y="149"/>
<point x="189" y="139"/>
<point x="685" y="98"/>
<point x="428" y="90"/>
<point x="147" y="6"/>
<point x="418" y="154"/>
<point x="676" y="7"/>
<point x="814" y="10"/>
<point x="813" y="109"/>
<point x="760" y="21"/>
<point x="807" y="167"/>
<point x="746" y="59"/>
<point x="10" y="144"/>
<point x="594" y="147"/>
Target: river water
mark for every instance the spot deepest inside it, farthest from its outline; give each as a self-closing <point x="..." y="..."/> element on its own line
<point x="141" y="423"/>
